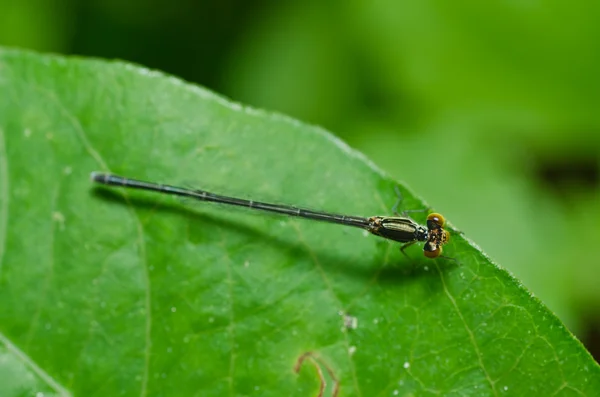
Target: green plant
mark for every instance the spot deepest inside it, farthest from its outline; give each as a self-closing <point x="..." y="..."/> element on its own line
<point x="107" y="292"/>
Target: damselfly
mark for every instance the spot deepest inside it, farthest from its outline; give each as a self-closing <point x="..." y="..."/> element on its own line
<point x="396" y="228"/>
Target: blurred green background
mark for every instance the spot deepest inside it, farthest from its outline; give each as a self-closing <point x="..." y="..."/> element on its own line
<point x="491" y="111"/>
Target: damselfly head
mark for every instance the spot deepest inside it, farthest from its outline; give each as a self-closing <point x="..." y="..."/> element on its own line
<point x="436" y="237"/>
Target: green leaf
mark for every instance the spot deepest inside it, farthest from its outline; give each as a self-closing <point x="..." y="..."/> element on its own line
<point x="110" y="292"/>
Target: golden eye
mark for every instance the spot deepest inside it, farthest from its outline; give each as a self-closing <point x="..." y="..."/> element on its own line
<point x="437" y="218"/>
<point x="433" y="254"/>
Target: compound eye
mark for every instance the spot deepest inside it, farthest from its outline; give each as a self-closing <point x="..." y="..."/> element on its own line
<point x="438" y="219"/>
<point x="437" y="251"/>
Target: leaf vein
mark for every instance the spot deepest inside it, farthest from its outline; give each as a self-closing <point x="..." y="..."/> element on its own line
<point x="317" y="264"/>
<point x="50" y="381"/>
<point x="147" y="307"/>
<point x="4" y="197"/>
<point x="468" y="329"/>
<point x="48" y="275"/>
